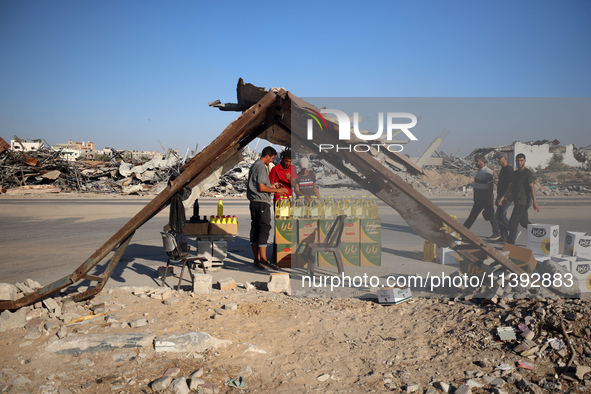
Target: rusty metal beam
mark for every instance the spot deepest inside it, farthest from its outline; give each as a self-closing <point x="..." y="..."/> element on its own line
<point x="235" y="137"/>
<point x="424" y="217"/>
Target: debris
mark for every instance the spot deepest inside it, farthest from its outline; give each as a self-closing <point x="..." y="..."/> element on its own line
<point x="525" y="365"/>
<point x="324" y="377"/>
<point x="202" y="283"/>
<point x="239" y="383"/>
<point x="196" y="342"/>
<point x="506" y="333"/>
<point x="161" y="384"/>
<point x="279" y="283"/>
<point x="76" y="343"/>
<point x="227" y="284"/>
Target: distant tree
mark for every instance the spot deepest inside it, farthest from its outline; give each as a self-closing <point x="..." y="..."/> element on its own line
<point x="555" y="163"/>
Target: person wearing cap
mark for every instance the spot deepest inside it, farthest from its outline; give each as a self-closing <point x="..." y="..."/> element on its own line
<point x="505" y="178"/>
<point x="285" y="174"/>
<point x="483" y="197"/>
<point x="306" y="181"/>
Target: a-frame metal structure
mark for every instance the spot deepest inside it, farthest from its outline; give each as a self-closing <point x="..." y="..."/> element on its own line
<point x="279" y="116"/>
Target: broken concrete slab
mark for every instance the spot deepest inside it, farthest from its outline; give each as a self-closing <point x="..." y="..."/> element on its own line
<point x="202" y="283"/>
<point x="9" y="320"/>
<point x="76" y="344"/>
<point x="8" y="291"/>
<point x="195" y="342"/>
<point x="279" y="282"/>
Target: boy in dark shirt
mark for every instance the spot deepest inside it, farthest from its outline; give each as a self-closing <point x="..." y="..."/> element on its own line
<point x="523" y="193"/>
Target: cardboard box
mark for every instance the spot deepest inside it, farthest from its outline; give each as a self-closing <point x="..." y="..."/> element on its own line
<point x="284" y="254"/>
<point x="393" y="295"/>
<point x="447" y="256"/>
<point x="370" y="254"/>
<point x="467" y="267"/>
<point x="324" y="226"/>
<point x="542" y="239"/>
<point x="223" y="229"/>
<point x="577" y="244"/>
<point x="349" y="254"/>
<point x="352" y="231"/>
<point x="192" y="229"/>
<point x="285" y="231"/>
<point x="371" y="231"/>
<point x="522" y="257"/>
<point x="564" y="261"/>
<point x="581" y="270"/>
<point x="307" y="231"/>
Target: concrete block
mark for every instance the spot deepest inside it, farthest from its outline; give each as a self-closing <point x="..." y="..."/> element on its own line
<point x="279" y="282"/>
<point x="202" y="284"/>
<point x="138" y="323"/>
<point x="8" y="291"/>
<point x="9" y="321"/>
<point x="227" y="284"/>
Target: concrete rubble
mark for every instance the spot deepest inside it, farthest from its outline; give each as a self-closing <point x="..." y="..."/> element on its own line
<point x="47" y="171"/>
<point x="517" y="365"/>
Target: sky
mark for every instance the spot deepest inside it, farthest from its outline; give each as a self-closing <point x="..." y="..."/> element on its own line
<point x="128" y="74"/>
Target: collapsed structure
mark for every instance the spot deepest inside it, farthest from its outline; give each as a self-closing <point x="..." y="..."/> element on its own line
<point x="279" y="117"/>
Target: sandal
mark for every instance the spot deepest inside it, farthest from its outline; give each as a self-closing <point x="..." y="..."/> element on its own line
<point x="263" y="265"/>
<point x="273" y="265"/>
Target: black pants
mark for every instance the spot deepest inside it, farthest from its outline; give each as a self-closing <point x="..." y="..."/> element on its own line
<point x="501" y="216"/>
<point x="478" y="207"/>
<point x="260" y="226"/>
<point x="518" y="216"/>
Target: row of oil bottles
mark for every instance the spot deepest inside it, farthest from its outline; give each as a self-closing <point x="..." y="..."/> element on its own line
<point x="220" y="218"/>
<point x="326" y="208"/>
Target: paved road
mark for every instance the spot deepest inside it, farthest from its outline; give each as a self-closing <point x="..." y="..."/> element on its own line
<point x="48" y="238"/>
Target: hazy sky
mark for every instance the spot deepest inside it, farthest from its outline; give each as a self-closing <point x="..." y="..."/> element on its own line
<point x="129" y="73"/>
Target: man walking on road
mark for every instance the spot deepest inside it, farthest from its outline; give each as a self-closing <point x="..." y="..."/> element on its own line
<point x="523" y="193"/>
<point x="505" y="178"/>
<point x="483" y="197"/>
<point x="259" y="192"/>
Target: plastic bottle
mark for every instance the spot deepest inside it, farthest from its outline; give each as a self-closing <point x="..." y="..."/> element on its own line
<point x="234" y="220"/>
<point x="212" y="219"/>
<point x="196" y="209"/>
<point x="220" y="208"/>
<point x="278" y="208"/>
<point x="314" y="208"/>
<point x="298" y="208"/>
<point x="218" y="220"/>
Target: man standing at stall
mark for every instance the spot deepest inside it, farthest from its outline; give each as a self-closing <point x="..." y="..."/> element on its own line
<point x="285" y="174"/>
<point x="259" y="192"/>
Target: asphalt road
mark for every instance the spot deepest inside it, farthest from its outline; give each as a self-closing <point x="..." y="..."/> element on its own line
<point x="46" y="239"/>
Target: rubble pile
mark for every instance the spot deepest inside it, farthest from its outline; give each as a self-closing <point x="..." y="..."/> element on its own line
<point x="146" y="339"/>
<point x="458" y="165"/>
<point x="46" y="171"/>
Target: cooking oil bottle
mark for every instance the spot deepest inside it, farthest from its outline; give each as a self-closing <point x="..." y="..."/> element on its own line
<point x="220" y="208"/>
<point x="298" y="209"/>
<point x="313" y="208"/>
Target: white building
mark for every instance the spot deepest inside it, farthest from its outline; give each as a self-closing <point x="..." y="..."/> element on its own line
<point x="25" y="145"/>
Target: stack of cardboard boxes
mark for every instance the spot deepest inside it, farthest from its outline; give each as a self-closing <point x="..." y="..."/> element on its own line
<point x="543" y="240"/>
<point x="360" y="242"/>
<point x="576" y="258"/>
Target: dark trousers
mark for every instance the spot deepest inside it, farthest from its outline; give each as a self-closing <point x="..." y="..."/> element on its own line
<point x="501" y="216"/>
<point x="478" y="207"/>
<point x="260" y="227"/>
<point x="518" y="216"/>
